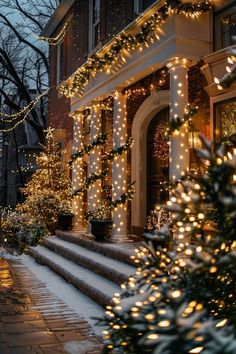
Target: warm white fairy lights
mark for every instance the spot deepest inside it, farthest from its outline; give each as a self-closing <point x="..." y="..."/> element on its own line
<point x="19" y="117"/>
<point x="77" y="171"/>
<point x="95" y="165"/>
<point x="179" y="142"/>
<point x="119" y="184"/>
<point x="57" y="39"/>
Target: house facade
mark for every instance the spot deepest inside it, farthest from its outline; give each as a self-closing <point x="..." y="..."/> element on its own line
<point x="120" y="71"/>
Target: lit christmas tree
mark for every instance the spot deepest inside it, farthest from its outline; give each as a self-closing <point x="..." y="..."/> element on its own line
<point x="183" y="301"/>
<point x="48" y="192"/>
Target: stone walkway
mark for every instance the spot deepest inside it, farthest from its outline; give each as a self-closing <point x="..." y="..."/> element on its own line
<point x="33" y="320"/>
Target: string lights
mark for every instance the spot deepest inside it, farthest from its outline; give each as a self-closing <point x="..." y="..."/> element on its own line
<point x="24" y="112"/>
<point x="54" y="41"/>
<point x="127" y="42"/>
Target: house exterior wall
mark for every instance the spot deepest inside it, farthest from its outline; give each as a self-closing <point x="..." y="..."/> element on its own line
<point x="182" y="37"/>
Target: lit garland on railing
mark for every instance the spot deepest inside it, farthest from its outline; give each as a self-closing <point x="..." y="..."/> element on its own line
<point x="90" y="180"/>
<point x="101" y="140"/>
<point x="55" y="40"/>
<point x="24" y="111"/>
<point x="119" y="151"/>
<point x="103" y="62"/>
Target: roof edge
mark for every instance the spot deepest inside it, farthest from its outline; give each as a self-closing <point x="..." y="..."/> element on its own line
<point x="57" y="17"/>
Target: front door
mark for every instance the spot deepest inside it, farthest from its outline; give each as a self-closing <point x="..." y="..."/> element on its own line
<point x="157" y="160"/>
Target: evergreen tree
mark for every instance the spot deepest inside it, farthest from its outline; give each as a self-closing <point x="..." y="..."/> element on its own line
<point x="48" y="192"/>
<point x="183" y="301"/>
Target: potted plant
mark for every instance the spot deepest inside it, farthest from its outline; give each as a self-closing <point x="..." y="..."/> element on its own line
<point x="65" y="216"/>
<point x="101" y="222"/>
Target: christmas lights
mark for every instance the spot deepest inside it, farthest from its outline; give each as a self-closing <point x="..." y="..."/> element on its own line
<point x="24" y="111"/>
<point x="101" y="140"/>
<point x="54" y="41"/>
<point x="103" y="62"/>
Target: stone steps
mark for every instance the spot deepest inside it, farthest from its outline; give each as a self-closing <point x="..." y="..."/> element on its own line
<point x="108" y="268"/>
<point x="95" y="269"/>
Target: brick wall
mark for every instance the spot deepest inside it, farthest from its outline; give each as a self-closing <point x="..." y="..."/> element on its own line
<point x="199" y="97"/>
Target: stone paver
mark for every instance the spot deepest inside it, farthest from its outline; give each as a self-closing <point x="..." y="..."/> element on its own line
<point x="33" y="320"/>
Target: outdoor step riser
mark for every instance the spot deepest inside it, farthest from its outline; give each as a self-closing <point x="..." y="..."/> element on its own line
<point x="97" y="247"/>
<point x="99" y="297"/>
<point x="88" y="263"/>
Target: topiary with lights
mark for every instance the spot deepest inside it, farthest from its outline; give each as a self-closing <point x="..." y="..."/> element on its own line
<point x="183" y="300"/>
<point x="49" y="191"/>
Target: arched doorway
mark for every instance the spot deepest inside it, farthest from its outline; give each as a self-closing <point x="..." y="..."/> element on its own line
<point x="155" y="103"/>
<point x="157" y="160"/>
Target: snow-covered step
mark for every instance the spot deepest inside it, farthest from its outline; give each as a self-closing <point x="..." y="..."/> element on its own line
<point x="91" y="284"/>
<point x="120" y="252"/>
<point x="112" y="269"/>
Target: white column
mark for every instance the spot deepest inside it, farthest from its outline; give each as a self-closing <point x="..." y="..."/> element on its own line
<point x="95" y="162"/>
<point x="119" y="166"/>
<point x="179" y="142"/>
<point x="77" y="172"/>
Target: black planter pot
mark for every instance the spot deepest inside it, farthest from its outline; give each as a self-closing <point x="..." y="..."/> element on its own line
<point x="65" y="221"/>
<point x="101" y="229"/>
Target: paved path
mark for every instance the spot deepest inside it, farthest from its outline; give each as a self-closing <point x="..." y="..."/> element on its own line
<point x="33" y="320"/>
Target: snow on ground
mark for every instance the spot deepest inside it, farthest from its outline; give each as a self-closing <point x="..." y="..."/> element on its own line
<point x="7" y="255"/>
<point x="78" y="302"/>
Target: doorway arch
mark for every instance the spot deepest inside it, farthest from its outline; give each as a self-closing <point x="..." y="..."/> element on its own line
<point x="149" y="108"/>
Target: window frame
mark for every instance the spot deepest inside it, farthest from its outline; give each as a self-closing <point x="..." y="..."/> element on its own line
<point x="218" y="18"/>
<point x="92" y="45"/>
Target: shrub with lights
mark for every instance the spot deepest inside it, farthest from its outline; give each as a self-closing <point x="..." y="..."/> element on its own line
<point x="183" y="300"/>
<point x="48" y="193"/>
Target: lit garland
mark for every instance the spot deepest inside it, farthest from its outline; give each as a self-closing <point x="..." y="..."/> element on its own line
<point x="176" y="123"/>
<point x="90" y="180"/>
<point x="57" y="39"/>
<point x="115" y="203"/>
<point x="101" y="140"/>
<point x="119" y="151"/>
<point x="98" y="62"/>
<point x="124" y="197"/>
<point x="24" y="111"/>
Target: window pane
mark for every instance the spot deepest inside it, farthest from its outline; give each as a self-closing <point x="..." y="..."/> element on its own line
<point x="146" y="4"/>
<point x="228" y="30"/>
<point x="96" y="34"/>
<point x="225" y="119"/>
<point x="96" y="10"/>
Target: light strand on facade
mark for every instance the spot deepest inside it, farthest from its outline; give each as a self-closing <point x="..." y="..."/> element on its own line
<point x="54" y="41"/>
<point x="103" y="62"/>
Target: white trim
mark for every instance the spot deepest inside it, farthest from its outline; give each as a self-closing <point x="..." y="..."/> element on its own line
<point x="91" y="44"/>
<point x="216" y="99"/>
<point x="150" y="107"/>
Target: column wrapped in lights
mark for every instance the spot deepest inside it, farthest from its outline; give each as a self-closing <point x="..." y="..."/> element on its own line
<point x="77" y="171"/>
<point x="179" y="142"/>
<point x="95" y="165"/>
<point x="119" y="165"/>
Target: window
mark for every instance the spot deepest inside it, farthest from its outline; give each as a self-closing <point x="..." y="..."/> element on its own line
<point x="228" y="30"/>
<point x="142" y="5"/>
<point x="60" y="62"/>
<point x="225" y="26"/>
<point x="94" y="20"/>
<point x="225" y="119"/>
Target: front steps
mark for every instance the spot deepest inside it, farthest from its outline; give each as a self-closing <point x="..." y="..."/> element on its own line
<point x="96" y="269"/>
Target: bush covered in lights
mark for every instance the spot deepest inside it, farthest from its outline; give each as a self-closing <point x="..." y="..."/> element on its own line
<point x="49" y="191"/>
<point x="18" y="231"/>
<point x="183" y="300"/>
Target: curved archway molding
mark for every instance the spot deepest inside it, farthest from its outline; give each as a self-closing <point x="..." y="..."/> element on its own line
<point x="149" y="108"/>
